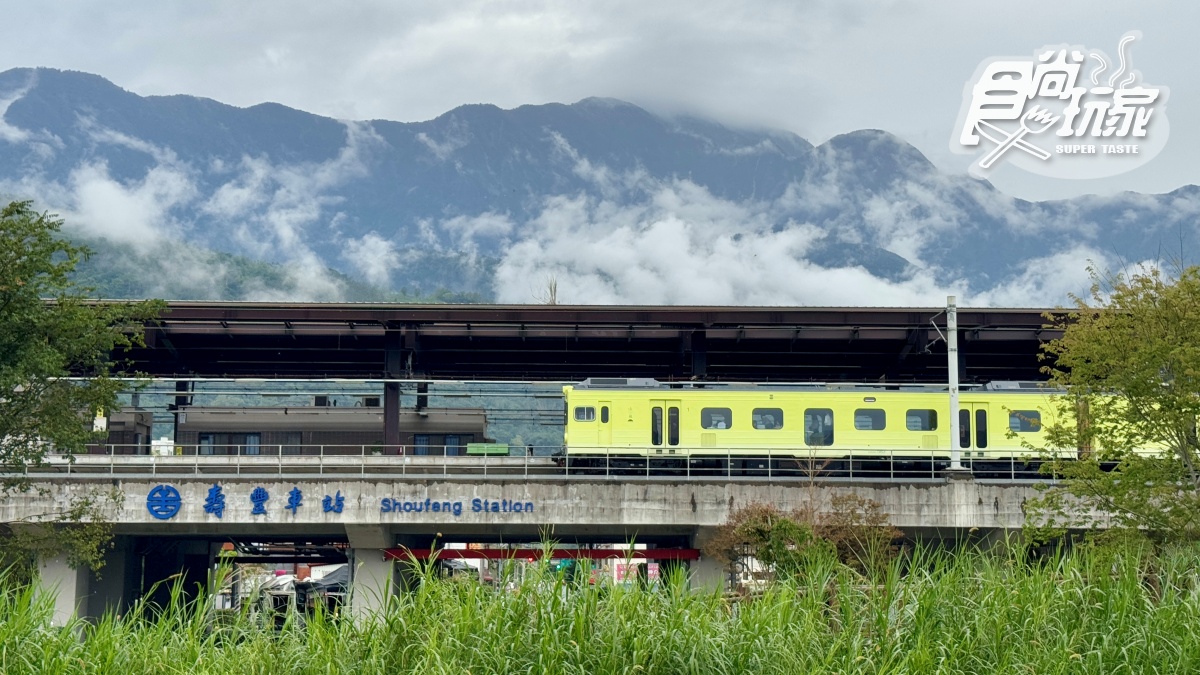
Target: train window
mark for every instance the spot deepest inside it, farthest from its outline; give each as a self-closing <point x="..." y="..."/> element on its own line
<point x="981" y="428"/>
<point x="1025" y="421"/>
<point x="716" y="418"/>
<point x="251" y="446"/>
<point x="421" y="444"/>
<point x="767" y="418"/>
<point x="585" y="413"/>
<point x="921" y="420"/>
<point x="818" y="426"/>
<point x="452" y="443"/>
<point x="656" y="426"/>
<point x="964" y="428"/>
<point x="604" y="414"/>
<point x="870" y="419"/>
<point x="672" y="426"/>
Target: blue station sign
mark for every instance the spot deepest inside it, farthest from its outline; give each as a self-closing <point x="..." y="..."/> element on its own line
<point x="164" y="502"/>
<point x="455" y="508"/>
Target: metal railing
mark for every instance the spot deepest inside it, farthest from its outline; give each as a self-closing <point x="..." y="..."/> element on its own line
<point x="543" y="463"/>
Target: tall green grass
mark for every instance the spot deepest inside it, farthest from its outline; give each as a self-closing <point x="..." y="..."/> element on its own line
<point x="1085" y="612"/>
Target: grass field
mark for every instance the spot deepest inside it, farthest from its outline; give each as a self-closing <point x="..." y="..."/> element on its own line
<point x="1086" y="612"/>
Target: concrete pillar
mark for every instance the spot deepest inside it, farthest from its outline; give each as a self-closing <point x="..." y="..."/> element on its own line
<point x="707" y="573"/>
<point x="407" y="572"/>
<point x="69" y="587"/>
<point x="371" y="583"/>
<point x="371" y="578"/>
<point x="114" y="586"/>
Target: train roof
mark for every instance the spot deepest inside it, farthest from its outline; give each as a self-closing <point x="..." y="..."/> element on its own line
<point x="651" y="383"/>
<point x="643" y="383"/>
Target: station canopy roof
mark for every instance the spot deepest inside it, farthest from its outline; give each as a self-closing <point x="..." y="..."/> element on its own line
<point x="564" y="342"/>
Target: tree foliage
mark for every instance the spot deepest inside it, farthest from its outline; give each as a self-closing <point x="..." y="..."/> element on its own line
<point x="795" y="544"/>
<point x="79" y="531"/>
<point x="1129" y="358"/>
<point x="57" y="352"/>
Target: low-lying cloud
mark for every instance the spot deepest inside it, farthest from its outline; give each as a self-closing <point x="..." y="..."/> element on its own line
<point x="272" y="210"/>
<point x="678" y="244"/>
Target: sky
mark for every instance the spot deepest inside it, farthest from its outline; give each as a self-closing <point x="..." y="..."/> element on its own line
<point x="817" y="67"/>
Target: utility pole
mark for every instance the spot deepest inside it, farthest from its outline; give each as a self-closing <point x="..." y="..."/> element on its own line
<point x="952" y="364"/>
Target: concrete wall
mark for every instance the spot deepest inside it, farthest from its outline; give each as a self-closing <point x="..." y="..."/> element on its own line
<point x="417" y="506"/>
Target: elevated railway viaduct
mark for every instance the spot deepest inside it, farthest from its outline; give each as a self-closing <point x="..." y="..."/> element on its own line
<point x="409" y="348"/>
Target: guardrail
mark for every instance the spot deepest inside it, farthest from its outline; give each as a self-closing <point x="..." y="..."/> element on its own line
<point x="366" y="462"/>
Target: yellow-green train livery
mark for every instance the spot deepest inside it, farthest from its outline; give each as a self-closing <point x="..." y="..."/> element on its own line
<point x="715" y="426"/>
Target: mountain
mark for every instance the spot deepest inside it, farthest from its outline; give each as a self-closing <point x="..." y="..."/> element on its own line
<point x="608" y="201"/>
<point x="184" y="272"/>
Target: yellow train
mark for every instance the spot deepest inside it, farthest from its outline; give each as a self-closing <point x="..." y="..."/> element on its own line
<point x="642" y="423"/>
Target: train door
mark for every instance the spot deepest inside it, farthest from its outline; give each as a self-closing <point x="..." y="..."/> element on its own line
<point x="605" y="437"/>
<point x="664" y="426"/>
<point x="973" y="429"/>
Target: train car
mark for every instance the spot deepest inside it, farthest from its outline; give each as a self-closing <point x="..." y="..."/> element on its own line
<point x="309" y="430"/>
<point x="641" y="423"/>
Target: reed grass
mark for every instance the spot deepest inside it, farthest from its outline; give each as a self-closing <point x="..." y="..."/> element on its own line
<point x="933" y="612"/>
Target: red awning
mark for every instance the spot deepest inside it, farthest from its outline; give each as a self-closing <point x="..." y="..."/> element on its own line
<point x="535" y="553"/>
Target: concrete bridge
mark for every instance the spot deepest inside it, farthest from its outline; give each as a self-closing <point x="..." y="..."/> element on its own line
<point x="189" y="505"/>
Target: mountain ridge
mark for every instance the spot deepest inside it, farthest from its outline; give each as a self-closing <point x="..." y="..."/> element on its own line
<point x="490" y="201"/>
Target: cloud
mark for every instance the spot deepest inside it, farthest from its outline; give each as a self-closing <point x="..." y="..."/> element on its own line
<point x="173" y="271"/>
<point x="610" y="183"/>
<point x="673" y="242"/>
<point x="818" y="68"/>
<point x="135" y="213"/>
<point x="101" y="135"/>
<point x="8" y="132"/>
<point x="455" y="137"/>
<point x="1046" y="281"/>
<point x="470" y="233"/>
<point x="276" y="211"/>
<point x="652" y="253"/>
<point x="373" y="256"/>
<point x="603" y="253"/>
<point x="632" y="237"/>
<point x="41" y="143"/>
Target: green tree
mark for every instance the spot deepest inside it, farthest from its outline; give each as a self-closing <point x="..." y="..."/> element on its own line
<point x="58" y="365"/>
<point x="784" y="542"/>
<point x="854" y="532"/>
<point x="1129" y="358"/>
